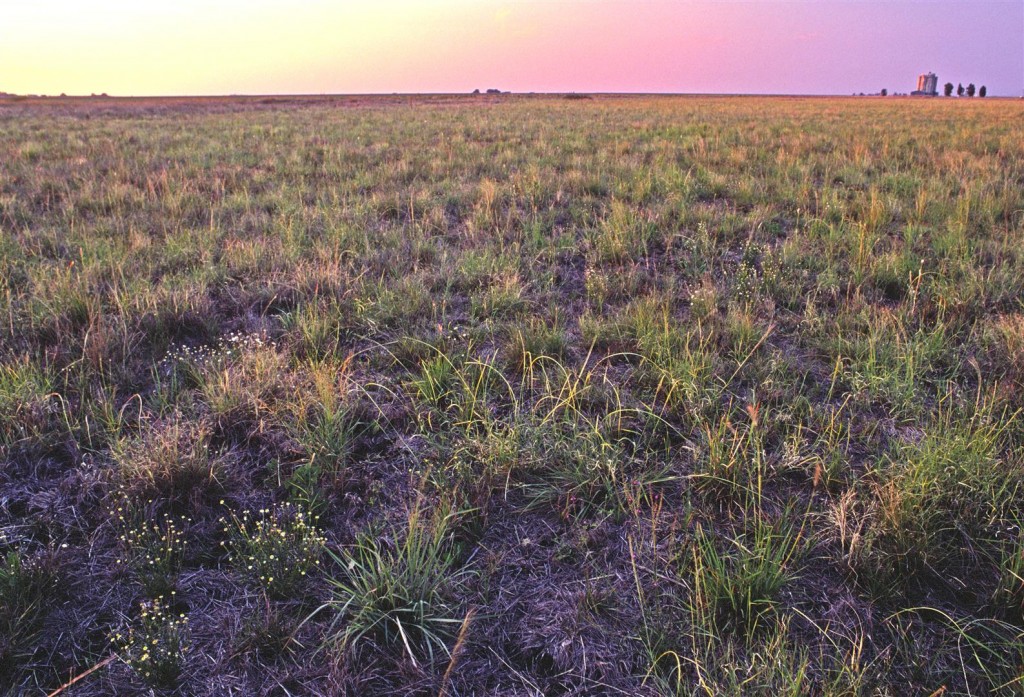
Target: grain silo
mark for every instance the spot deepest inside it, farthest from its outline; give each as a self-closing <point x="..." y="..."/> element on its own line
<point x="927" y="84"/>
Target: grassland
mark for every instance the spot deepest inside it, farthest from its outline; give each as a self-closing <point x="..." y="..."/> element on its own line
<point x="512" y="396"/>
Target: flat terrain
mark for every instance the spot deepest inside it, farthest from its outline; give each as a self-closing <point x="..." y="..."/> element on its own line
<point x="509" y="395"/>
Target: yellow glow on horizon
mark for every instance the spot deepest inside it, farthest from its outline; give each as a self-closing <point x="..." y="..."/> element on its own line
<point x="233" y="46"/>
<point x="191" y="47"/>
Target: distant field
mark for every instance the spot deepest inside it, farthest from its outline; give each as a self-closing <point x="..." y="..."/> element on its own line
<point x="512" y="396"/>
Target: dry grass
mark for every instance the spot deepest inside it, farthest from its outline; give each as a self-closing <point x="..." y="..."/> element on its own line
<point x="638" y="395"/>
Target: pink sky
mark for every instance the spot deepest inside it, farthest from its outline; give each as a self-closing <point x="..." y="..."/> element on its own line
<point x="359" y="46"/>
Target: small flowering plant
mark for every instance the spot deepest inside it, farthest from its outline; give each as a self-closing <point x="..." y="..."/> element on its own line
<point x="278" y="547"/>
<point x="198" y="358"/>
<point x="154" y="549"/>
<point x="154" y="646"/>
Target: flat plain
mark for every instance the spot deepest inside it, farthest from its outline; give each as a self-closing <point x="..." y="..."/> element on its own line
<point x="512" y="395"/>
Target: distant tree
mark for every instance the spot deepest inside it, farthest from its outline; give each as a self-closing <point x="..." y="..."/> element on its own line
<point x="885" y="92"/>
<point x="948" y="89"/>
<point x="959" y="89"/>
<point x="970" y="90"/>
<point x="982" y="92"/>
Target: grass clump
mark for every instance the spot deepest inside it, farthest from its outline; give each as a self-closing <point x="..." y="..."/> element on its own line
<point x="591" y="472"/>
<point x="268" y="632"/>
<point x="398" y="592"/>
<point x="26" y="583"/>
<point x="325" y="427"/>
<point x="678" y="361"/>
<point x="535" y="338"/>
<point x="24" y="402"/>
<point x="1009" y="593"/>
<point x="171" y="459"/>
<point x="318" y="328"/>
<point x="737" y="588"/>
<point x="939" y="496"/>
<point x="242" y="387"/>
<point x="764" y="667"/>
<point x="730" y="457"/>
<point x="326" y="438"/>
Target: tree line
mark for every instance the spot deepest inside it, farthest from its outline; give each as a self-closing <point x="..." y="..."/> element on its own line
<point x="961" y="90"/>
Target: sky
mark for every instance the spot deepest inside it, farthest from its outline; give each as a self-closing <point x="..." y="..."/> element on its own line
<point x="198" y="47"/>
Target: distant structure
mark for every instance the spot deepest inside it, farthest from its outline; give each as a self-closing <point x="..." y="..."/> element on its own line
<point x="927" y="85"/>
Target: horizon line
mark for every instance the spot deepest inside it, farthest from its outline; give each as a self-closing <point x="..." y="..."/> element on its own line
<point x="485" y="93"/>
